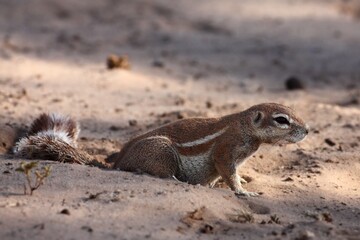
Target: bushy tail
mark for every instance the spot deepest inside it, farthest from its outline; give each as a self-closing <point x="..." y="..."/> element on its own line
<point x="56" y="125"/>
<point x="52" y="137"/>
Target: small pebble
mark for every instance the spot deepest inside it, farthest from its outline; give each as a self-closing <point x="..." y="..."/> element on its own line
<point x="330" y="142"/>
<point x="209" y="104"/>
<point x="65" y="211"/>
<point x="294" y="83"/>
<point x="114" y="61"/>
<point x="132" y="122"/>
<point x="158" y="64"/>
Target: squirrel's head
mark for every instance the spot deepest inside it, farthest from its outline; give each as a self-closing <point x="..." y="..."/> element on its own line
<point x="276" y="123"/>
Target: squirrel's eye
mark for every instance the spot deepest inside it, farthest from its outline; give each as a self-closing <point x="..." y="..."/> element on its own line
<point x="282" y="120"/>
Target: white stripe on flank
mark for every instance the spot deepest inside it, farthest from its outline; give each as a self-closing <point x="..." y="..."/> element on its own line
<point x="202" y="140"/>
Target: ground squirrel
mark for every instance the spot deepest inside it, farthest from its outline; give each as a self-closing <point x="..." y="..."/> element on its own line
<point x="200" y="150"/>
<point x="194" y="150"/>
<point x="52" y="137"/>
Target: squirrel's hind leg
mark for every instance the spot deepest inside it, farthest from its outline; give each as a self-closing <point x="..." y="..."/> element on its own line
<point x="153" y="155"/>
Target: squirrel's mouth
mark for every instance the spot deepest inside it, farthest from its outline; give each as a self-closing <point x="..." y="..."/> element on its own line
<point x="297" y="137"/>
<point x="292" y="137"/>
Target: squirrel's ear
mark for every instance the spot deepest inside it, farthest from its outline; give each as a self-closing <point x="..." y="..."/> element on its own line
<point x="257" y="118"/>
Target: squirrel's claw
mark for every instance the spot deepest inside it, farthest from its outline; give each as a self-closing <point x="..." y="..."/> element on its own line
<point x="242" y="180"/>
<point x="244" y="193"/>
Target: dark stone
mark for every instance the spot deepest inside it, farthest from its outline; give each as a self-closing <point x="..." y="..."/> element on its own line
<point x="294" y="83"/>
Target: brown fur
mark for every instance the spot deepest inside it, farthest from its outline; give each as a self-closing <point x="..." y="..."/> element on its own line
<point x="213" y="147"/>
<point x="8" y="136"/>
<point x="49" y="148"/>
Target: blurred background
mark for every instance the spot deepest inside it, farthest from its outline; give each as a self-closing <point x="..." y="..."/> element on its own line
<point x="261" y="40"/>
<point x="198" y="54"/>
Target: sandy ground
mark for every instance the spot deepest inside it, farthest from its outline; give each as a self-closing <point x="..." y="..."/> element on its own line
<point x="203" y="58"/>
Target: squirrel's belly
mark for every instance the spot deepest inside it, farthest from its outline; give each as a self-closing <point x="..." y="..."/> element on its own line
<point x="197" y="169"/>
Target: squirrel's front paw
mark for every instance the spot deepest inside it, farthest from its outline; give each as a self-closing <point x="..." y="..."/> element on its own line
<point x="244" y="193"/>
<point x="243" y="181"/>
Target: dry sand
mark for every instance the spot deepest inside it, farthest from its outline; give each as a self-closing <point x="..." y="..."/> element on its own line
<point x="203" y="58"/>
